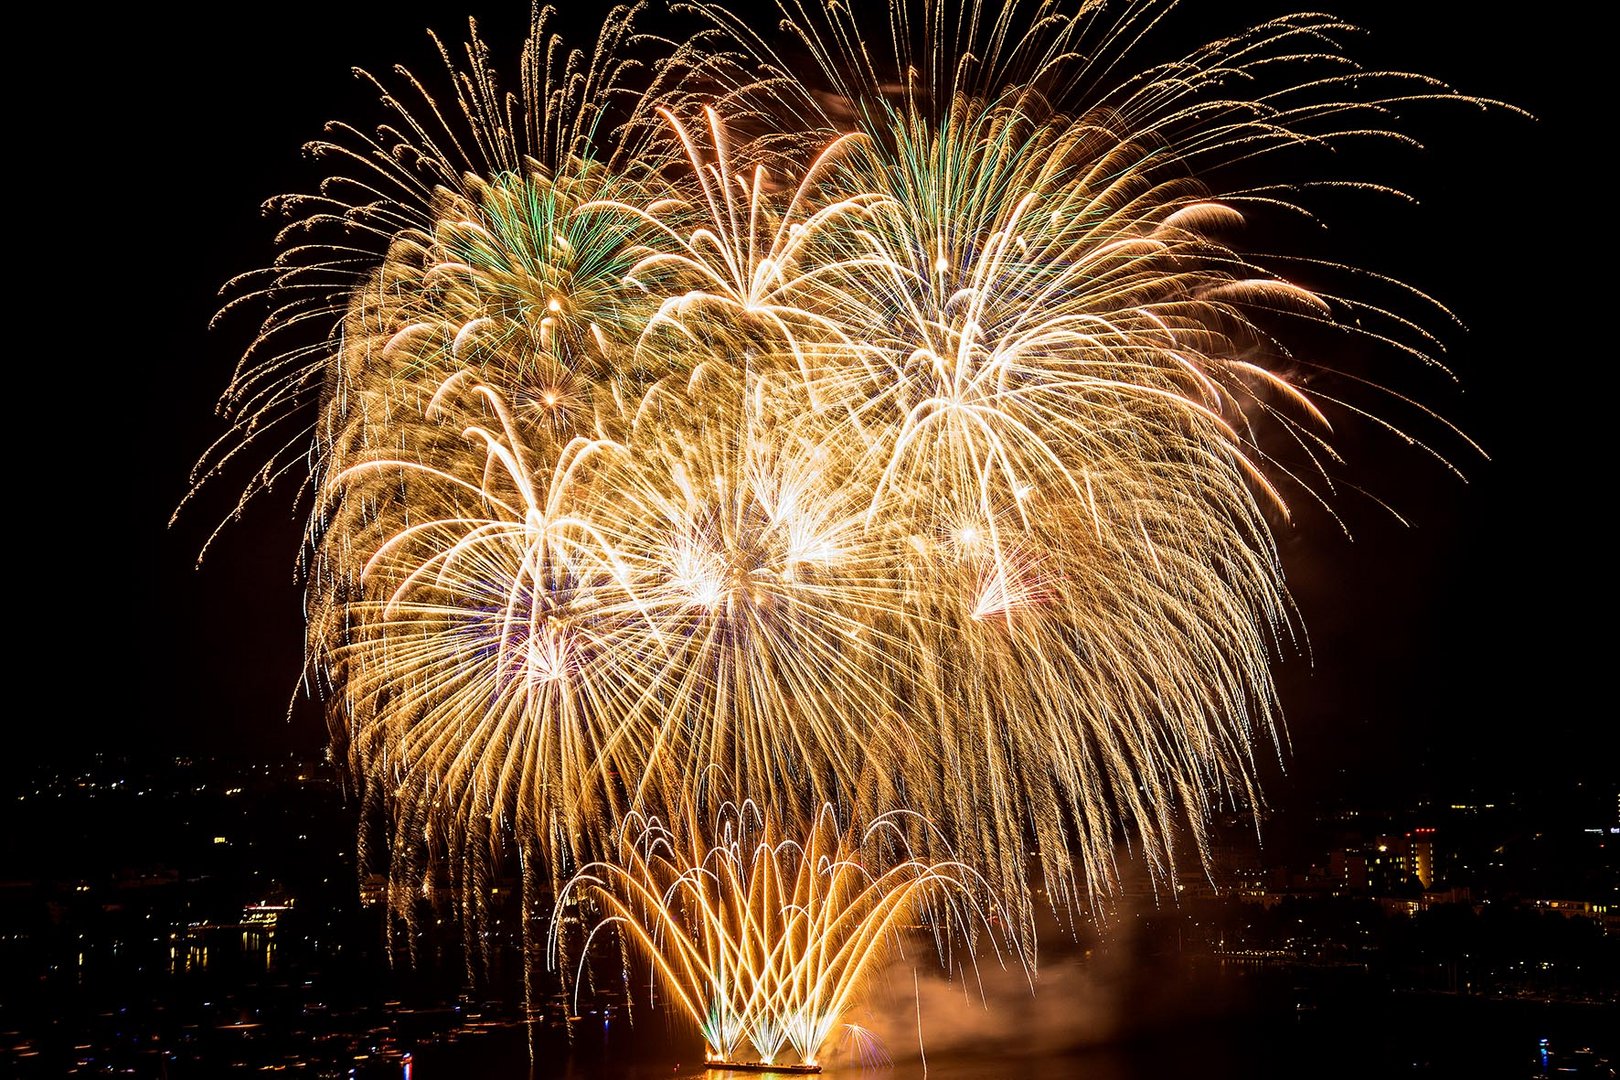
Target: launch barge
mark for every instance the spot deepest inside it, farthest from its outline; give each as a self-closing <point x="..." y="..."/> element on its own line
<point x="760" y="1066"/>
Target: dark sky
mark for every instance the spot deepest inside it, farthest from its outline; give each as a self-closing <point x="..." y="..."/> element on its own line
<point x="1457" y="648"/>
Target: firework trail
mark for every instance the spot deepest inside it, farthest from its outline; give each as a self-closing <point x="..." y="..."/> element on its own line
<point x="765" y="942"/>
<point x="914" y="445"/>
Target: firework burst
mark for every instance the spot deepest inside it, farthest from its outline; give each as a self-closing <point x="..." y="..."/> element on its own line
<point x="916" y="445"/>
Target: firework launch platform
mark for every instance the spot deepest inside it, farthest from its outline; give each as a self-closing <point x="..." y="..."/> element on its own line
<point x="760" y="1067"/>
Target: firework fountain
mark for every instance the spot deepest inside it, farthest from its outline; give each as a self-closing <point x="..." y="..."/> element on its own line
<point x="906" y="437"/>
<point x="766" y="942"/>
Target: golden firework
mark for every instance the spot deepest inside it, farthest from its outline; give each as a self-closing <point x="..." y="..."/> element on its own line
<point x="916" y="445"/>
<point x="765" y="942"/>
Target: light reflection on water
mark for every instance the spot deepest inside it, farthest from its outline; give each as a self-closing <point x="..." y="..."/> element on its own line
<point x="1326" y="1025"/>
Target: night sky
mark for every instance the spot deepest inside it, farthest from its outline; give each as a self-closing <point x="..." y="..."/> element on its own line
<point x="1422" y="638"/>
